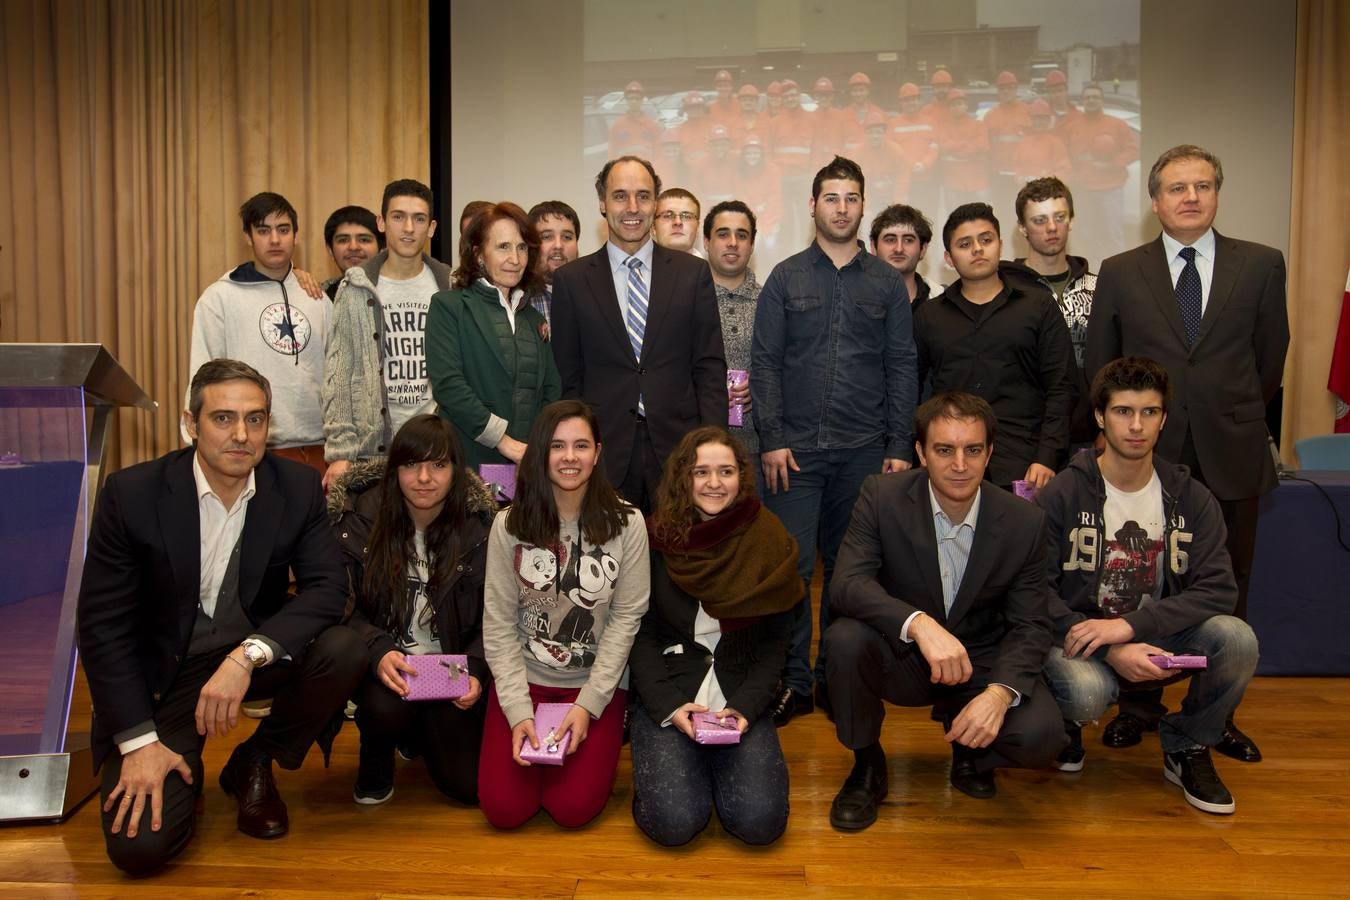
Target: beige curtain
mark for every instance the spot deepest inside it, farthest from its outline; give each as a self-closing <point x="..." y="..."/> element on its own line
<point x="131" y="131"/>
<point x="1319" y="237"/>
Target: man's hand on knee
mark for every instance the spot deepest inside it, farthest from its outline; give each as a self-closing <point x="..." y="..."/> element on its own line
<point x="218" y="703"/>
<point x="947" y="658"/>
<point x="143" y="772"/>
<point x="979" y="722"/>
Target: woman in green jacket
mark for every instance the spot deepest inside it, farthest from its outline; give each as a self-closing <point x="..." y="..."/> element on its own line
<point x="488" y="357"/>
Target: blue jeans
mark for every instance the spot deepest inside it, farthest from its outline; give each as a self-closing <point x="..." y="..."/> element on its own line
<point x="1084" y="688"/>
<point x="676" y="783"/>
<point x="816" y="511"/>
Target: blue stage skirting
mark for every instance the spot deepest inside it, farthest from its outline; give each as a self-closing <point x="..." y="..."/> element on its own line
<point x="1299" y="602"/>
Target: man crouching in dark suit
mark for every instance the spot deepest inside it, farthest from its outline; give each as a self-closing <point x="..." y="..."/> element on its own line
<point x="941" y="602"/>
<point x="184" y="612"/>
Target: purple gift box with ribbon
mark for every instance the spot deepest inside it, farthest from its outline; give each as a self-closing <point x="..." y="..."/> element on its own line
<point x="709" y="729"/>
<point x="735" y="412"/>
<point x="439" y="676"/>
<point x="500" y="479"/>
<point x="548" y="719"/>
<point x="1179" y="662"/>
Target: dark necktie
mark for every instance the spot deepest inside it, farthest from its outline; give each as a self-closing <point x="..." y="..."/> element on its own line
<point x="1188" y="295"/>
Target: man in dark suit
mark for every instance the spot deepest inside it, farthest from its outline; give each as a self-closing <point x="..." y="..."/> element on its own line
<point x="940" y="600"/>
<point x="636" y="335"/>
<point x="184" y="611"/>
<point x="1211" y="310"/>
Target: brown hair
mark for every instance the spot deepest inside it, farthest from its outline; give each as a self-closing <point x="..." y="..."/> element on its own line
<point x="674" y="512"/>
<point x="471" y="269"/>
<point x="533" y="516"/>
<point x="954" y="405"/>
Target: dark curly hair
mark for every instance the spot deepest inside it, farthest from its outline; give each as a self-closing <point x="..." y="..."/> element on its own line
<point x="674" y="513"/>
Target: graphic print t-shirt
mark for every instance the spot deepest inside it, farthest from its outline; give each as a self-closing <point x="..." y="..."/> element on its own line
<point x="421" y="635"/>
<point x="564" y="591"/>
<point x="1132" y="572"/>
<point x="405" y="353"/>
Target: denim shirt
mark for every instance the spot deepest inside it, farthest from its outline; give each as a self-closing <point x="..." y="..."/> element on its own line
<point x="832" y="363"/>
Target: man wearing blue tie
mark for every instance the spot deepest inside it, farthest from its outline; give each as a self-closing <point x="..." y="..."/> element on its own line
<point x="1211" y="311"/>
<point x="636" y="335"/>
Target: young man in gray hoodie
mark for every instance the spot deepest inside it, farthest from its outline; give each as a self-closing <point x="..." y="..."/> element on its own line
<point x="375" y="371"/>
<point x="274" y="317"/>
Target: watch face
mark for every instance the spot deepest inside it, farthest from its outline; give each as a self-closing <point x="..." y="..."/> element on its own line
<point x="254" y="654"/>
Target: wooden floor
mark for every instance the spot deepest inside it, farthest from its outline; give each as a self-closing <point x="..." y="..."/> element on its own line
<point x="1115" y="829"/>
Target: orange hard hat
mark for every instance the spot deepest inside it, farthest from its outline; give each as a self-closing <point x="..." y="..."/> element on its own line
<point x="941" y="76"/>
<point x="1006" y="78"/>
<point x="859" y="78"/>
<point x="824" y="85"/>
<point x="956" y="94"/>
<point x="775" y="89"/>
<point x="1055" y="77"/>
<point x="909" y="89"/>
<point x="748" y="90"/>
<point x="1040" y="108"/>
<point x="722" y="75"/>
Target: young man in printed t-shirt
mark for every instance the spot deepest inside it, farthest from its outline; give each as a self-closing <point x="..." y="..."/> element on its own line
<point x="375" y="374"/>
<point x="1138" y="568"/>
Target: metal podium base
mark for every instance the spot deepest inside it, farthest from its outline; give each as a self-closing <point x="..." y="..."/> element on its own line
<point x="46" y="787"/>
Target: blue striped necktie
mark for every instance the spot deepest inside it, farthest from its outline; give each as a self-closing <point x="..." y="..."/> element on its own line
<point x="637" y="312"/>
<point x="1188" y="295"/>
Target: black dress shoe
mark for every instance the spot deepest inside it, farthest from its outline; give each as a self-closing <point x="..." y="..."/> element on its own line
<point x="248" y="778"/>
<point x="790" y="705"/>
<point x="822" y="695"/>
<point x="1126" y="730"/>
<point x="967" y="779"/>
<point x="855" y="806"/>
<point x="1237" y="745"/>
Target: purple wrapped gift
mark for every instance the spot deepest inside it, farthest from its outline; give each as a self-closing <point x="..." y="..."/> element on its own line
<point x="547" y="720"/>
<point x="735" y="412"/>
<point x="500" y="479"/>
<point x="439" y="677"/>
<point x="1024" y="489"/>
<point x="1179" y="662"/>
<point x="709" y="729"/>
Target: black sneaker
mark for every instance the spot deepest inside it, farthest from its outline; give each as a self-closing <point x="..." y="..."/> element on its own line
<point x="1193" y="772"/>
<point x="1071" y="757"/>
<point x="374" y="777"/>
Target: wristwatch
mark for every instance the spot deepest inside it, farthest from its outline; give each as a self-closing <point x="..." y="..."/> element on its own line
<point x="254" y="653"/>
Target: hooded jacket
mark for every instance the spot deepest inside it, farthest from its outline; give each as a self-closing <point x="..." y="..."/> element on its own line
<point x="1198" y="575"/>
<point x="356" y="421"/>
<point x="1076" y="306"/>
<point x="457" y="603"/>
<point x="276" y="328"/>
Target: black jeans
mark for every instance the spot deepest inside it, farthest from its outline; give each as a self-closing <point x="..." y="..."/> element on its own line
<point x="305" y="694"/>
<point x="676" y="783"/>
<point x="448" y="737"/>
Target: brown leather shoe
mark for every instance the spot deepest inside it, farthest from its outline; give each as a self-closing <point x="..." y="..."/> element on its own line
<point x="262" y="812"/>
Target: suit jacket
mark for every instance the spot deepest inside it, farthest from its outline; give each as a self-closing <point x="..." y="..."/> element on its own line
<point x="142" y="579"/>
<point x="888" y="569"/>
<point x="1221" y="384"/>
<point x="682" y="375"/>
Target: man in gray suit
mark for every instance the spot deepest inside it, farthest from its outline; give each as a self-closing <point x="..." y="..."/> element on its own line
<point x="940" y="601"/>
<point x="1211" y="310"/>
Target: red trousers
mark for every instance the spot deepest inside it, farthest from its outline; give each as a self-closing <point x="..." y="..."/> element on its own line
<point x="574" y="793"/>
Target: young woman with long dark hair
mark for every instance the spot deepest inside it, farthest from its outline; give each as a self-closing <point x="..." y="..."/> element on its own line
<point x="566" y="588"/>
<point x="714" y="640"/>
<point x="413" y="532"/>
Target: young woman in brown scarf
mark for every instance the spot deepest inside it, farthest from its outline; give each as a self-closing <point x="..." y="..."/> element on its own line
<point x="714" y="639"/>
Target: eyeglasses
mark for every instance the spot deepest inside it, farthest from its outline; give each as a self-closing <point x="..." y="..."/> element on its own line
<point x="671" y="215"/>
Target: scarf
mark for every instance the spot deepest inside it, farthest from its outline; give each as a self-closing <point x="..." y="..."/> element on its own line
<point x="739" y="565"/>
